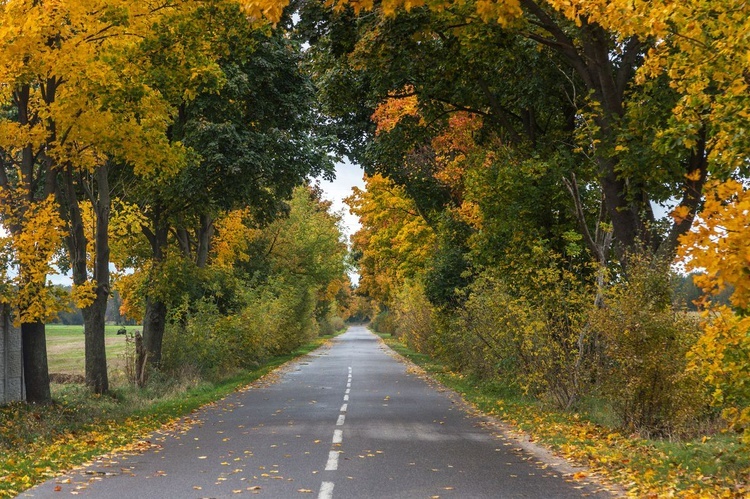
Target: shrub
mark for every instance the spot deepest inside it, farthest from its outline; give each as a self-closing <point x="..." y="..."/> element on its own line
<point x="530" y="336"/>
<point x="413" y="317"/>
<point x="384" y="323"/>
<point x="645" y="342"/>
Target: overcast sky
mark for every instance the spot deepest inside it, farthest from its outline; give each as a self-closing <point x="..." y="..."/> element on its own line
<point x="347" y="176"/>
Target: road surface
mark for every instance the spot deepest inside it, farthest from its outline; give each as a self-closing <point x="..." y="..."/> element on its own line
<point x="348" y="421"/>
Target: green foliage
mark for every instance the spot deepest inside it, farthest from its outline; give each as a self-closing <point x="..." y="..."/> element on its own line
<point x="448" y="271"/>
<point x="384" y="322"/>
<point x="225" y="319"/>
<point x="533" y="335"/>
<point x="644" y="341"/>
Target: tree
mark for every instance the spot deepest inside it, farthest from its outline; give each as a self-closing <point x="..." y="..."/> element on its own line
<point x="597" y="67"/>
<point x="250" y="132"/>
<point x="394" y="242"/>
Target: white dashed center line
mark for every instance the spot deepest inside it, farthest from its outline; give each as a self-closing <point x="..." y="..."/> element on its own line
<point x="326" y="490"/>
<point x="333" y="461"/>
<point x="338" y="436"/>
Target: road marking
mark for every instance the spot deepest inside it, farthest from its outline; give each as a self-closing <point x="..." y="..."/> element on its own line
<point x="326" y="490"/>
<point x="349" y="384"/>
<point x="348" y="390"/>
<point x="338" y="436"/>
<point x="343" y="407"/>
<point x="346" y="397"/>
<point x="333" y="461"/>
<point x="340" y="420"/>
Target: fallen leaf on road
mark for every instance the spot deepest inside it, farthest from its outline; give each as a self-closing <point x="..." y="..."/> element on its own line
<point x="197" y="487"/>
<point x="202" y="457"/>
<point x="58" y="488"/>
<point x="305" y="491"/>
<point x="254" y="487"/>
<point x="238" y="491"/>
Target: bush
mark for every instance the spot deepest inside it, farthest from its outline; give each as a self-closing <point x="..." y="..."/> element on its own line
<point x="384" y="323"/>
<point x="413" y="317"/>
<point x="645" y="343"/>
<point x="275" y="318"/>
<point x="534" y="334"/>
<point x="491" y="323"/>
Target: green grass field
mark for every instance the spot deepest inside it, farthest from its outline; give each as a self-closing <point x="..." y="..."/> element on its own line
<point x="65" y="348"/>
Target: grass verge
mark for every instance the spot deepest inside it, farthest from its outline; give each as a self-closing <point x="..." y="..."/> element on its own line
<point x="38" y="442"/>
<point x="710" y="467"/>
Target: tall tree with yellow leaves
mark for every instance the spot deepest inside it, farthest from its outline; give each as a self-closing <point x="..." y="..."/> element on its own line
<point x="74" y="90"/>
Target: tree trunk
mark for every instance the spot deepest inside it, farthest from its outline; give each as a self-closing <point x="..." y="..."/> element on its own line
<point x="96" y="356"/>
<point x="35" y="370"/>
<point x="154" y="322"/>
<point x="204" y="240"/>
<point x="94" y="315"/>
<point x="77" y="243"/>
<point x="155" y="313"/>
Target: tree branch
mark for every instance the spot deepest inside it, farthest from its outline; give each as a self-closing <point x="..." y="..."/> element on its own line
<point x="572" y="187"/>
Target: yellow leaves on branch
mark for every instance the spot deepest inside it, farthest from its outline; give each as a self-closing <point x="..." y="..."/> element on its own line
<point x="398" y="106"/>
<point x="719" y="247"/>
<point x="84" y="294"/>
<point x="722" y="355"/>
<point x="719" y="244"/>
<point x="34" y="248"/>
<point x="231" y="242"/>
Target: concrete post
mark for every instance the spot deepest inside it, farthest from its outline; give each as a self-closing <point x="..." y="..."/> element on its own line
<point x="11" y="359"/>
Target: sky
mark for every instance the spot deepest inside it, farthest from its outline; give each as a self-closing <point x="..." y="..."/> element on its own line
<point x="348" y="175"/>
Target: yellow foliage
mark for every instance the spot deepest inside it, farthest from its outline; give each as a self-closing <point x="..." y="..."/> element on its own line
<point x="395" y="240"/>
<point x="130" y="288"/>
<point x="230" y="244"/>
<point x="719" y="244"/>
<point x="392" y="110"/>
<point x="84" y="294"/>
<point x="719" y="247"/>
<point x="38" y="238"/>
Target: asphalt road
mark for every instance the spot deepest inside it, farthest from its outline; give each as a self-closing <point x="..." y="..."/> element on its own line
<point x="347" y="421"/>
